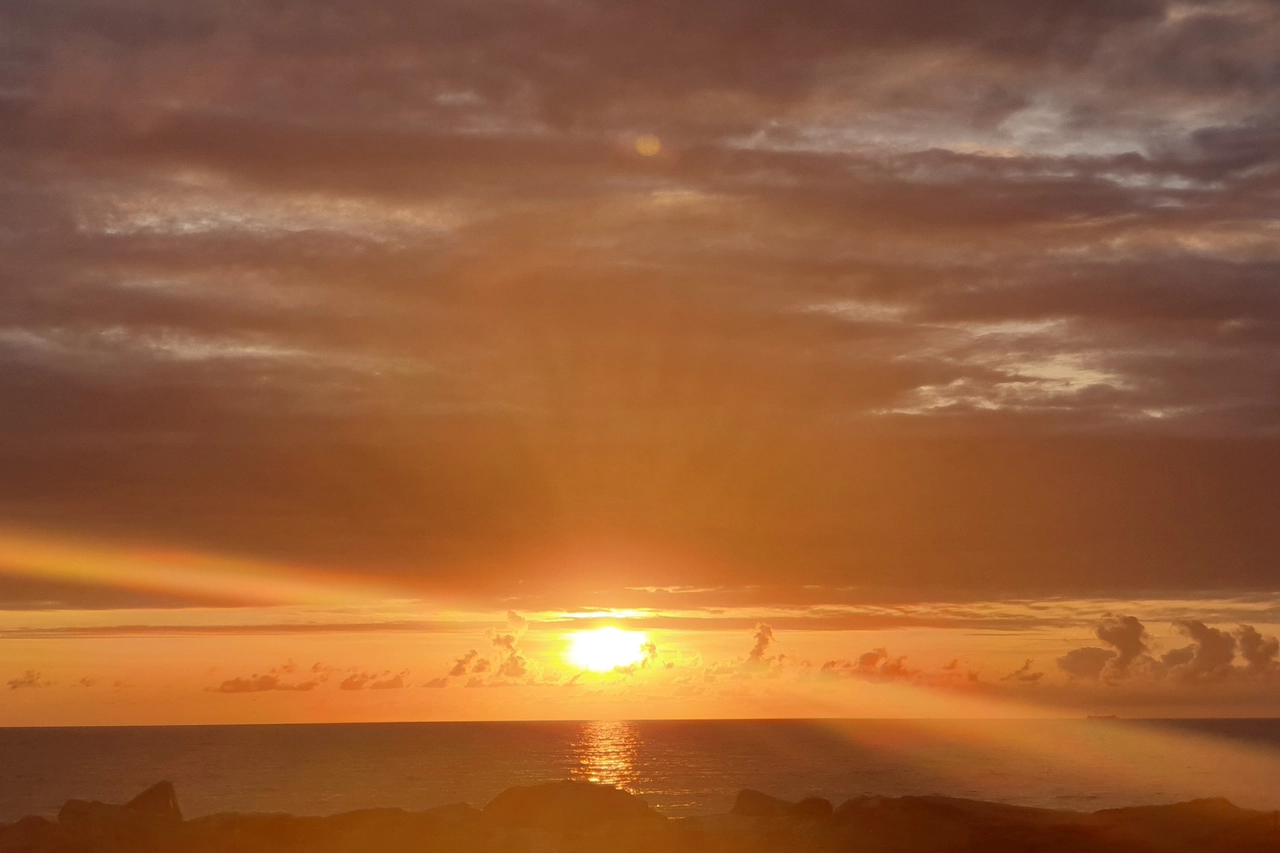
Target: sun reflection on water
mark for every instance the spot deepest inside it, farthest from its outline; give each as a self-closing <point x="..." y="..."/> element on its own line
<point x="606" y="754"/>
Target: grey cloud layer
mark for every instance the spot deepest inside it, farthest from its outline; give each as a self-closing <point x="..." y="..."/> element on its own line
<point x="386" y="285"/>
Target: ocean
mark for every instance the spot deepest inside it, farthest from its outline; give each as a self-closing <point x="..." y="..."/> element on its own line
<point x="680" y="767"/>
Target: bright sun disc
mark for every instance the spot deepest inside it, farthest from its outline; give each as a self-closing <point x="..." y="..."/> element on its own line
<point x="604" y="649"/>
<point x="648" y="145"/>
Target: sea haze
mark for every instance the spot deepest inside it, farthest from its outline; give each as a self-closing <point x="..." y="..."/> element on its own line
<point x="681" y="767"/>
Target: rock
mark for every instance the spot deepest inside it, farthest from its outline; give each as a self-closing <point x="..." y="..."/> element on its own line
<point x="160" y="801"/>
<point x="567" y="807"/>
<point x="570" y="817"/>
<point x="811" y="808"/>
<point x="850" y="808"/>
<point x="149" y="821"/>
<point x="32" y="833"/>
<point x="756" y="804"/>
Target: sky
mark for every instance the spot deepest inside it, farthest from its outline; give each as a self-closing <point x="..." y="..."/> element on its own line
<point x="869" y="358"/>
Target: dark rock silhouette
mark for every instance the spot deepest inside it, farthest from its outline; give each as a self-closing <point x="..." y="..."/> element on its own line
<point x="150" y="821"/>
<point x="159" y="801"/>
<point x="572" y="817"/>
<point x="567" y="807"/>
<point x="756" y="804"/>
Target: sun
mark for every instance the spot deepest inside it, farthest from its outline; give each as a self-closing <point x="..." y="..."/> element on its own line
<point x="648" y="145"/>
<point x="605" y="649"/>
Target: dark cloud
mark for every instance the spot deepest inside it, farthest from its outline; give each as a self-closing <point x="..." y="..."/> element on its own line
<point x="1087" y="662"/>
<point x="1258" y="652"/>
<point x="876" y="664"/>
<point x="463" y="664"/>
<point x="282" y="677"/>
<point x="30" y="678"/>
<point x="1210" y="656"/>
<point x="756" y="663"/>
<point x="758" y="656"/>
<point x="375" y="681"/>
<point x="506" y="663"/>
<point x="1128" y="637"/>
<point x="389" y="288"/>
<point x="262" y="684"/>
<point x="1024" y="674"/>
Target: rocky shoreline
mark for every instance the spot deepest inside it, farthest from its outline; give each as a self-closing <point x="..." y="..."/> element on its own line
<point x="580" y="817"/>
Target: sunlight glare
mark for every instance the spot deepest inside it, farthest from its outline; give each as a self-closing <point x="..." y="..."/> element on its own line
<point x="604" y="649"/>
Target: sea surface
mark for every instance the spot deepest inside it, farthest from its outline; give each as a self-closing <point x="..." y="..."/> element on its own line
<point x="681" y="768"/>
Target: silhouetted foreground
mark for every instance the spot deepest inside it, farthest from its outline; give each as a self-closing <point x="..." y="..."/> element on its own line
<point x="574" y="816"/>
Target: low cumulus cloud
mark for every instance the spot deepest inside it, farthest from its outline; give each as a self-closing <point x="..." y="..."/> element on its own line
<point x="1210" y="655"/>
<point x="263" y="684"/>
<point x="1128" y="638"/>
<point x="464" y="665"/>
<point x="764" y="639"/>
<point x="875" y="664"/>
<point x="29" y="679"/>
<point x="1024" y="674"/>
<point x="1087" y="662"/>
<point x="504" y="662"/>
<point x="287" y="677"/>
<point x="649" y="660"/>
<point x="757" y="662"/>
<point x="1258" y="652"/>
<point x="375" y="681"/>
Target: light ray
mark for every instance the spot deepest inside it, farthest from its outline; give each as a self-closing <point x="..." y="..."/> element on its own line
<point x="204" y="577"/>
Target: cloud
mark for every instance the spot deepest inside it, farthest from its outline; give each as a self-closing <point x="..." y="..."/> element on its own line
<point x="758" y="657"/>
<point x="463" y="664"/>
<point x="650" y="659"/>
<point x="876" y="664"/>
<point x="385" y="680"/>
<point x="516" y="623"/>
<point x="757" y="661"/>
<point x="515" y="666"/>
<point x="1259" y="653"/>
<point x="764" y="639"/>
<point x="1128" y="637"/>
<point x="1210" y="656"/>
<point x="29" y="679"/>
<point x="263" y="683"/>
<point x="277" y="678"/>
<point x="506" y="663"/>
<point x="1087" y="662"/>
<point x="1024" y="674"/>
<point x="1045" y="245"/>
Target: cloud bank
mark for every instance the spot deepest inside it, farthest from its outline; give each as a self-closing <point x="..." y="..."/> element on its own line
<point x="958" y="290"/>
